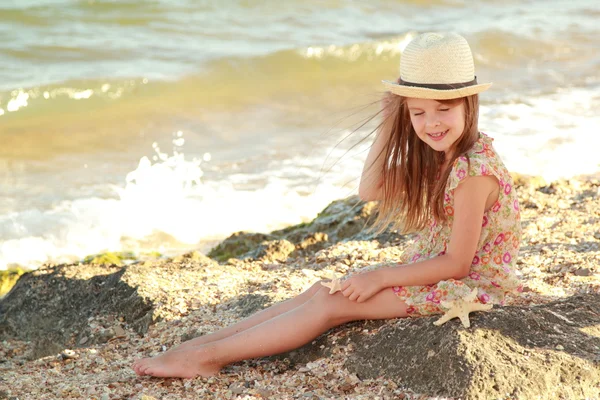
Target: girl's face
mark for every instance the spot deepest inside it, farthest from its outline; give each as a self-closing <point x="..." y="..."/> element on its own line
<point x="438" y="124"/>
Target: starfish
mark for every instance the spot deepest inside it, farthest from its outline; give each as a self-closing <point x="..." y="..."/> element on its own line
<point x="334" y="285"/>
<point x="461" y="309"/>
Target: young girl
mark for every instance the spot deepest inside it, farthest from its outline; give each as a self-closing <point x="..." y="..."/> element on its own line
<point x="432" y="171"/>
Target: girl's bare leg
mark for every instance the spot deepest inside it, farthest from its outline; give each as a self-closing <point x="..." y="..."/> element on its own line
<point x="255" y="319"/>
<point x="285" y="332"/>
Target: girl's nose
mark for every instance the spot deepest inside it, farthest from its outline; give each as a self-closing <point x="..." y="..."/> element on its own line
<point x="432" y="122"/>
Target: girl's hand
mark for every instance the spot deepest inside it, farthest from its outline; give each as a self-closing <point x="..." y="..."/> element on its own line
<point x="362" y="287"/>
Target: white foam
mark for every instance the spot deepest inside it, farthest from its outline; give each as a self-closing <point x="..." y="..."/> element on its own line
<point x="169" y="197"/>
<point x="554" y="135"/>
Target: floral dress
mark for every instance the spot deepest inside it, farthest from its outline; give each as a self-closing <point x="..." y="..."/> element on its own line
<point x="494" y="263"/>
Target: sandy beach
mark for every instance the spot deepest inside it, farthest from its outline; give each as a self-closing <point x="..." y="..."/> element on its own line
<point x="560" y="257"/>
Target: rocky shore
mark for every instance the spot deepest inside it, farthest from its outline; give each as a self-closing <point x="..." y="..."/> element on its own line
<point x="72" y="331"/>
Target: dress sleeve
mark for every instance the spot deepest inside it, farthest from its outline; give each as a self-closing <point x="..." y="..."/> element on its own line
<point x="481" y="160"/>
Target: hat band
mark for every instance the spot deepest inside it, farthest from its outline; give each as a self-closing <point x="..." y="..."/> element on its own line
<point x="439" y="86"/>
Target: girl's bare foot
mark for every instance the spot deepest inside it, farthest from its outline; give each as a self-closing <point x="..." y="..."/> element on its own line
<point x="186" y="363"/>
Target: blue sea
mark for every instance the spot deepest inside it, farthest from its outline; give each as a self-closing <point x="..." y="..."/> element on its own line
<point x="167" y="125"/>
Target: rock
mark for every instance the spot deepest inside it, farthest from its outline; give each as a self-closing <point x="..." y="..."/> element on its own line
<point x="110" y="258"/>
<point x="194" y="256"/>
<point x="550" y="189"/>
<point x="9" y="277"/>
<point x="273" y="250"/>
<point x="105" y="335"/>
<point x="238" y="244"/>
<point x="237" y="388"/>
<point x="119" y="331"/>
<point x="68" y="355"/>
<point x="264" y="393"/>
<point x="32" y="310"/>
<point x="53" y="305"/>
<point x="515" y="352"/>
<point x="583" y="272"/>
<point x="341" y="219"/>
<point x="314" y="241"/>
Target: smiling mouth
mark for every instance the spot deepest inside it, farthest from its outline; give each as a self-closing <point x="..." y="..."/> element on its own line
<point x="438" y="135"/>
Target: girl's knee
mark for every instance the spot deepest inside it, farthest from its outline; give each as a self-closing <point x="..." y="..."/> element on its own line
<point x="326" y="305"/>
<point x="311" y="291"/>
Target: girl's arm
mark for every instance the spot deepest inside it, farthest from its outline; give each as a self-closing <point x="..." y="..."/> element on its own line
<point x="371" y="179"/>
<point x="471" y="198"/>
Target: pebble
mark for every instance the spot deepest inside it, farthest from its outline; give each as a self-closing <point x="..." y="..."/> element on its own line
<point x="583" y="272"/>
<point x="119" y="331"/>
<point x="236" y="388"/>
<point x="264" y="393"/>
<point x="68" y="354"/>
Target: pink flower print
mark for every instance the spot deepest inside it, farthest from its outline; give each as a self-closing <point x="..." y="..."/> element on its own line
<point x="507" y="258"/>
<point x="475" y="260"/>
<point x="501" y="183"/>
<point x="475" y="276"/>
<point x="520" y="289"/>
<point x="479" y="147"/>
<point x="516" y="205"/>
<point x="400" y="291"/>
<point x="461" y="173"/>
<point x="447" y="198"/>
<point x="434" y="297"/>
<point x="506" y="269"/>
<point x="411" y="310"/>
<point x="494" y="284"/>
<point x="485" y="221"/>
<point x="507" y="188"/>
<point x="484" y="170"/>
<point x="484" y="298"/>
<point x="499" y="239"/>
<point x="463" y="158"/>
<point x="442" y="253"/>
<point x="416" y="257"/>
<point x="496" y="207"/>
<point x="487" y="248"/>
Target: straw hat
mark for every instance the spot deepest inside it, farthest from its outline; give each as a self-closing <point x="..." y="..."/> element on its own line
<point x="437" y="66"/>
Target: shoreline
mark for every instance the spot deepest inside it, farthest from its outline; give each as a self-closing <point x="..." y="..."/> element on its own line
<point x="127" y="256"/>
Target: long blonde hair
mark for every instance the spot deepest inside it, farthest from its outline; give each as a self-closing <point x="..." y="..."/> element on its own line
<point x="413" y="180"/>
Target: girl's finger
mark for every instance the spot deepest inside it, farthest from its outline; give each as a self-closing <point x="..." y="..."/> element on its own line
<point x="347" y="292"/>
<point x="354" y="296"/>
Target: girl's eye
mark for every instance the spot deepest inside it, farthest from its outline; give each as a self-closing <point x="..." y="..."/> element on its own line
<point x="444" y="109"/>
<point x="417" y="114"/>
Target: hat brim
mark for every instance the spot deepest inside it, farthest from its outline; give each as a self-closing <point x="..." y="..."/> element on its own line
<point x="434" y="94"/>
